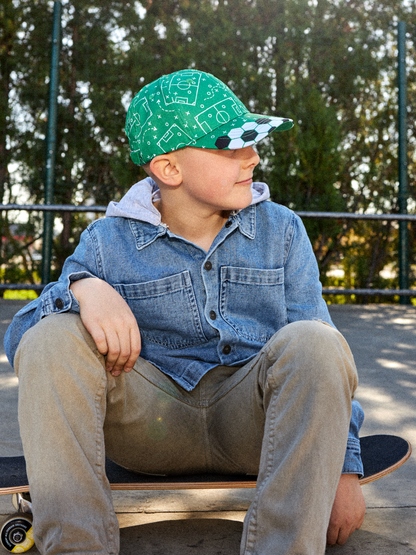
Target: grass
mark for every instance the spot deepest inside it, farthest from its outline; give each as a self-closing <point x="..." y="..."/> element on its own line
<point x="20" y="294"/>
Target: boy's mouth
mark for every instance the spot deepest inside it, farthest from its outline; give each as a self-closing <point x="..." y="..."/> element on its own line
<point x="245" y="181"/>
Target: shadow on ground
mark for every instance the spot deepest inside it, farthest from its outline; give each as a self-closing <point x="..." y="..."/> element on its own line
<point x="219" y="537"/>
<point x="371" y="544"/>
<point x="222" y="537"/>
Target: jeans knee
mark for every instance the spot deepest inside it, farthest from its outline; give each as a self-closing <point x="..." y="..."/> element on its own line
<point x="52" y="342"/>
<point x="52" y="332"/>
<point x="304" y="334"/>
<point x="317" y="350"/>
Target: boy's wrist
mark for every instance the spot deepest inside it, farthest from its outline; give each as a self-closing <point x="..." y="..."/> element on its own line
<point x="81" y="285"/>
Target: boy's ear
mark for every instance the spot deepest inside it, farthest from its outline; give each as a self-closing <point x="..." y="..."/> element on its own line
<point x="165" y="168"/>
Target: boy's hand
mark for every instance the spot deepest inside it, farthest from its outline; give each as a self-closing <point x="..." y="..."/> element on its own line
<point x="348" y="510"/>
<point x="111" y="323"/>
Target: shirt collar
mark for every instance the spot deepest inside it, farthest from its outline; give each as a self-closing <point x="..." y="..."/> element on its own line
<point x="146" y="233"/>
<point x="246" y="221"/>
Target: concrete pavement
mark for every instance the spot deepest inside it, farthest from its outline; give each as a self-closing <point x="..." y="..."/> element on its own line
<point x="208" y="522"/>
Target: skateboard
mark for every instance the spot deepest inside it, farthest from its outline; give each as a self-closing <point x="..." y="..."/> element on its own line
<point x="381" y="455"/>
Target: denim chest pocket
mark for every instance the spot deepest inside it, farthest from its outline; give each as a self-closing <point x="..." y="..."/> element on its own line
<point x="253" y="301"/>
<point x="166" y="310"/>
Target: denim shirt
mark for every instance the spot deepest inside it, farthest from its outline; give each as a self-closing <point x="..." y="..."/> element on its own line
<point x="197" y="309"/>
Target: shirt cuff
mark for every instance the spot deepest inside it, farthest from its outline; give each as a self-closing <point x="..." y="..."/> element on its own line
<point x="352" y="462"/>
<point x="58" y="297"/>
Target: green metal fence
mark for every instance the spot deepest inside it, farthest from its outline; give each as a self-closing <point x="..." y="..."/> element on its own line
<point x="403" y="292"/>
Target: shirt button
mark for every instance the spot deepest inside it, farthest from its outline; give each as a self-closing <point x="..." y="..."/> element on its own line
<point x="59" y="303"/>
<point x="226" y="349"/>
<point x="229" y="223"/>
<point x="208" y="266"/>
<point x="212" y="315"/>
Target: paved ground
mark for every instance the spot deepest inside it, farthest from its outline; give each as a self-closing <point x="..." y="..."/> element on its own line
<point x="383" y="340"/>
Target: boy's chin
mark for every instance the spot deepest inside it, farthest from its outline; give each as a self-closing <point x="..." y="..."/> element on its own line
<point x="236" y="209"/>
<point x="244" y="203"/>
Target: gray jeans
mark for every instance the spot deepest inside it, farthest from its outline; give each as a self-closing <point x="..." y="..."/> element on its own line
<point x="285" y="415"/>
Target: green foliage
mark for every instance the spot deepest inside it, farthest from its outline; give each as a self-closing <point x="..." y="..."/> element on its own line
<point x="21" y="294"/>
<point x="328" y="64"/>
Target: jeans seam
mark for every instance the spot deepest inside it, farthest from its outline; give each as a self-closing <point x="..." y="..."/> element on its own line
<point x="252" y="525"/>
<point x="100" y="468"/>
<point x="208" y="449"/>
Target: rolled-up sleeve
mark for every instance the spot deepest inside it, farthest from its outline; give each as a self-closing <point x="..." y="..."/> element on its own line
<point x="57" y="296"/>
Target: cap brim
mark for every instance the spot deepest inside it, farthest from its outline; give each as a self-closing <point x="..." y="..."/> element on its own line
<point x="243" y="131"/>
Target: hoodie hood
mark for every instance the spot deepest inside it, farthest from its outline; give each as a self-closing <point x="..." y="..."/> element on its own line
<point x="137" y="203"/>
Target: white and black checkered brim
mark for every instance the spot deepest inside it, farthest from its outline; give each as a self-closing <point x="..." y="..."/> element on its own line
<point x="243" y="131"/>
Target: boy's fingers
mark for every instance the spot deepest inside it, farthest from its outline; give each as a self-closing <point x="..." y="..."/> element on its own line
<point x="113" y="351"/>
<point x="337" y="536"/>
<point x="331" y="536"/>
<point x="100" y="339"/>
<point x="341" y="535"/>
<point x="135" y="348"/>
<point x="123" y="351"/>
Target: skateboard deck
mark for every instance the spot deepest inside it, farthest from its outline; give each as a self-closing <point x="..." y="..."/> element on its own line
<point x="381" y="455"/>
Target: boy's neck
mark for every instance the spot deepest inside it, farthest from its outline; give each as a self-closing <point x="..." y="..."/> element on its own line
<point x="196" y="228"/>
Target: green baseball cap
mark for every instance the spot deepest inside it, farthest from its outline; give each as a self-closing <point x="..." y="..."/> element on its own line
<point x="192" y="108"/>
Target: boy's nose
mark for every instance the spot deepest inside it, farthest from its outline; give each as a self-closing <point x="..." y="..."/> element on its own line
<point x="250" y="156"/>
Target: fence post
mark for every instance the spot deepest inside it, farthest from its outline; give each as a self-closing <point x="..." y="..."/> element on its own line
<point x="51" y="144"/>
<point x="403" y="225"/>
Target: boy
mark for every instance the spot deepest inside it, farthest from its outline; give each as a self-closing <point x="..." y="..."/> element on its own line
<point x="240" y="369"/>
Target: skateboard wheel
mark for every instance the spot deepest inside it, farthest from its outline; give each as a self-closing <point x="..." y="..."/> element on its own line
<point x="17" y="533"/>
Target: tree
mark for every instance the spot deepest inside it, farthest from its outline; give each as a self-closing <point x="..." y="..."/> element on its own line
<point x="328" y="64"/>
